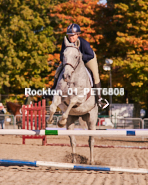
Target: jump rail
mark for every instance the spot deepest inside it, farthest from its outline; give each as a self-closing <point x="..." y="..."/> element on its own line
<point x="56" y="165"/>
<point x="103" y="133"/>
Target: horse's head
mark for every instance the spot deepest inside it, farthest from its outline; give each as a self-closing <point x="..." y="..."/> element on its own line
<point x="71" y="58"/>
<point x="13" y="108"/>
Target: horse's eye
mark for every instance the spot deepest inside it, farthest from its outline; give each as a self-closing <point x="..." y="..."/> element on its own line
<point x="76" y="57"/>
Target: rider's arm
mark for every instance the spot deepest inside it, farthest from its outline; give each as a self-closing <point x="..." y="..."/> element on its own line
<point x="86" y="50"/>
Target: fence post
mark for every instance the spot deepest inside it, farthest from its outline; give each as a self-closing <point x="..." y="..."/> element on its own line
<point x="142" y="123"/>
<point x="14" y="122"/>
<point x="115" y="121"/>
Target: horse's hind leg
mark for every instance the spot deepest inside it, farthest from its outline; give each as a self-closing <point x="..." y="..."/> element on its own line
<point x="70" y="126"/>
<point x="91" y="122"/>
<point x="52" y="109"/>
<point x="91" y="146"/>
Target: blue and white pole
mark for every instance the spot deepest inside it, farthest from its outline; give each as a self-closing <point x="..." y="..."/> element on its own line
<point x="4" y="162"/>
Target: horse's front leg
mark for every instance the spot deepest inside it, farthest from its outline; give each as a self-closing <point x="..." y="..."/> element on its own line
<point x="63" y="120"/>
<point x="52" y="109"/>
<point x="92" y="126"/>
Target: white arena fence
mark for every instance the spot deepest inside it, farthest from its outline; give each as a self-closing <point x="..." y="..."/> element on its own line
<point x="7" y="120"/>
<point x="114" y="122"/>
<point x="145" y="120"/>
<point x="54" y="122"/>
<point x="133" y="123"/>
<point x="120" y="123"/>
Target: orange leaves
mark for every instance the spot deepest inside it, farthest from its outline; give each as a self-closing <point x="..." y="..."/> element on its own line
<point x="50" y="57"/>
<point x="118" y="16"/>
<point x="137" y="42"/>
<point x="79" y="12"/>
<point x="49" y="84"/>
<point x="50" y="79"/>
<point x="26" y="73"/>
<point x="120" y="35"/>
<point x="53" y="61"/>
<point x="54" y="57"/>
<point x="97" y="37"/>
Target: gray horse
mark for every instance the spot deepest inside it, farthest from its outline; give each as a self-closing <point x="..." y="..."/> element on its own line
<point x="75" y="101"/>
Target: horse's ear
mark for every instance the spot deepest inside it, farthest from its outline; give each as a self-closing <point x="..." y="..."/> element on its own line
<point x="77" y="43"/>
<point x="66" y="42"/>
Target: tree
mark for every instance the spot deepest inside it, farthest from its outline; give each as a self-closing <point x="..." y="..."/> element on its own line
<point x="26" y="39"/>
<point x="131" y="47"/>
<point x="94" y="20"/>
<point x="79" y="12"/>
<point x="118" y="32"/>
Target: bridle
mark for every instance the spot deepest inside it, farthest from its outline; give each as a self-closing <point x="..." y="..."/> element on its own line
<point x="74" y="67"/>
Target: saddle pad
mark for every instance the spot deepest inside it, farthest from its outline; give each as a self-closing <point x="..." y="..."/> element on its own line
<point x="90" y="77"/>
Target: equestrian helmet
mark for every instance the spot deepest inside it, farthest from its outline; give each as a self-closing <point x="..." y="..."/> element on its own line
<point x="73" y="29"/>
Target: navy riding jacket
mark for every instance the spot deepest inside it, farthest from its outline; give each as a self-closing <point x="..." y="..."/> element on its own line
<point x="87" y="52"/>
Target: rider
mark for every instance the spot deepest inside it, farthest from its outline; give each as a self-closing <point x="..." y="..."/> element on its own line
<point x="88" y="56"/>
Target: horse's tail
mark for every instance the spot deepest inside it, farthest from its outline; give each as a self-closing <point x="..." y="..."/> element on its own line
<point x="8" y="106"/>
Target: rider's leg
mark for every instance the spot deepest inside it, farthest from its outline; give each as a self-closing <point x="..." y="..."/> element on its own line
<point x="57" y="76"/>
<point x="93" y="66"/>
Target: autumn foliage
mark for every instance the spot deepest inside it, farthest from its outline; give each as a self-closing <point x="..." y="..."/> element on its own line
<point x="119" y="33"/>
<point x="36" y="30"/>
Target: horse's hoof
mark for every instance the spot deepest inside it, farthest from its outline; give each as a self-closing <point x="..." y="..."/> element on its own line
<point x="92" y="163"/>
<point x="62" y="123"/>
<point x="49" y="121"/>
<point x="74" y="161"/>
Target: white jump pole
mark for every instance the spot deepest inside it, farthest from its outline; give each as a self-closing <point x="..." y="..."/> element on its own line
<point x="103" y="133"/>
